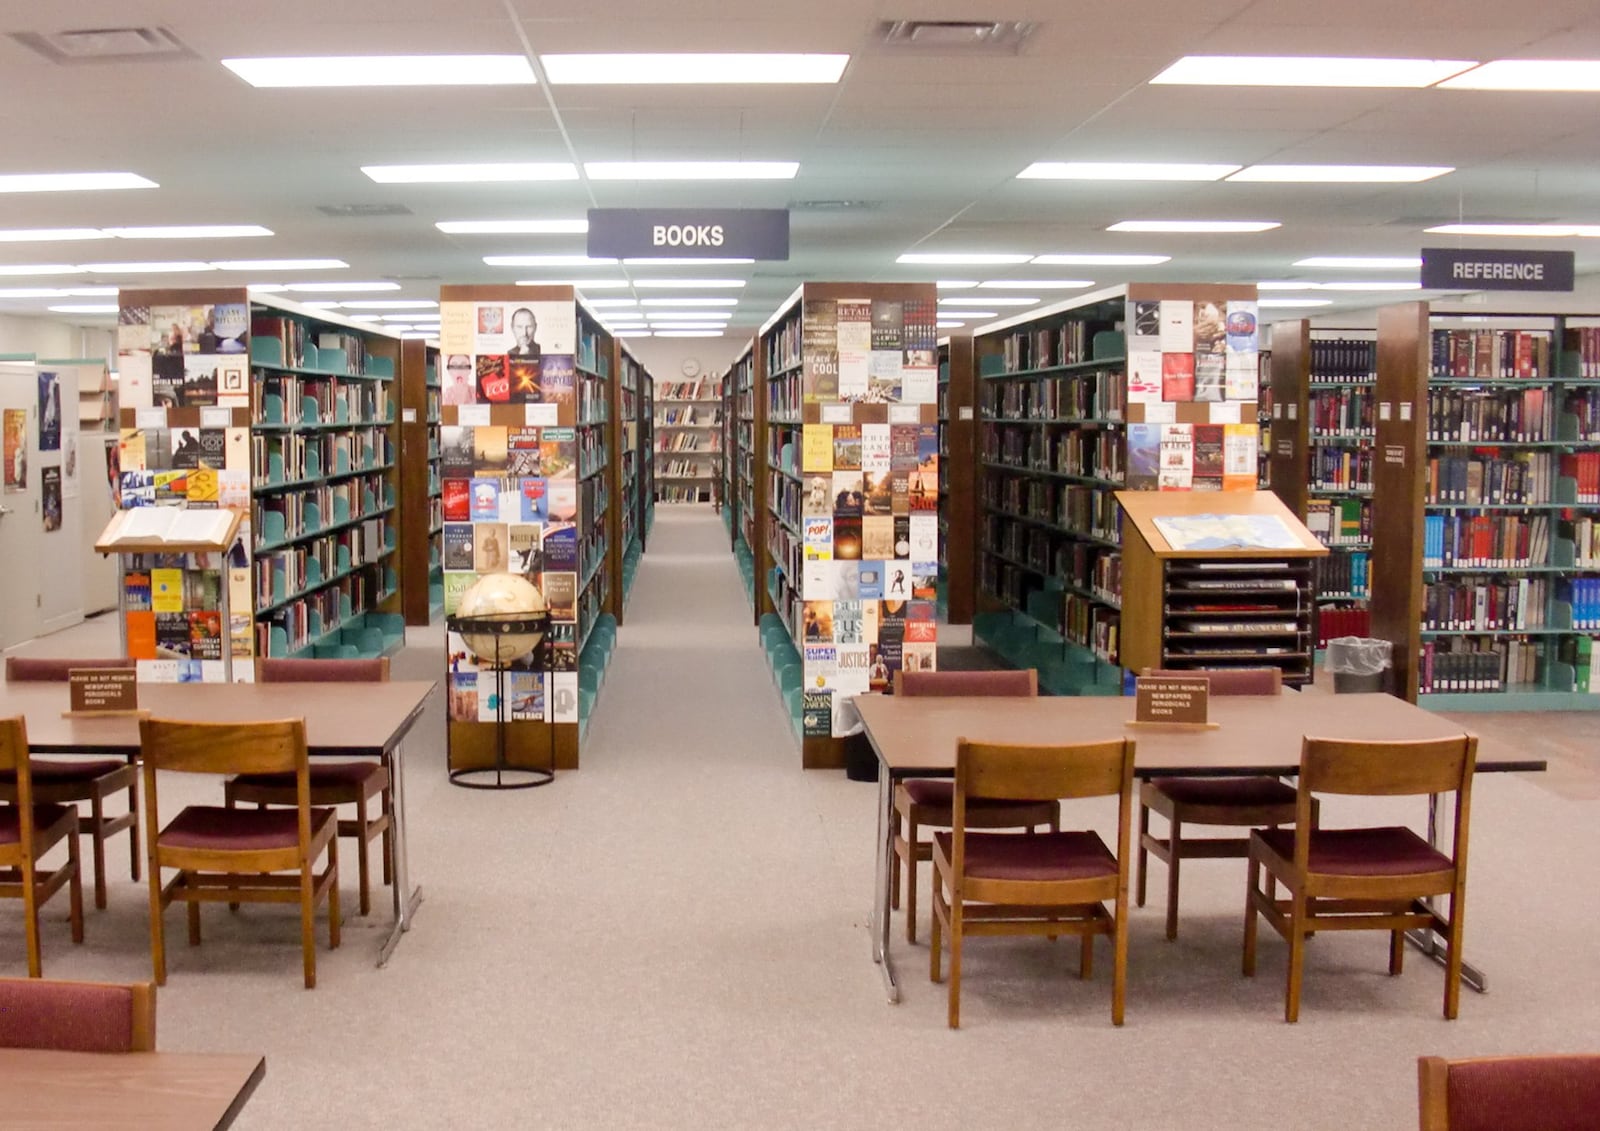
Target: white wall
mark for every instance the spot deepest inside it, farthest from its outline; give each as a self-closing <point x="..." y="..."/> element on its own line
<point x="664" y="357"/>
<point x="44" y="338"/>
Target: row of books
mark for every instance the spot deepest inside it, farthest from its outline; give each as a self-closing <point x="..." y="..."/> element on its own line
<point x="1338" y="522"/>
<point x="783" y="396"/>
<point x="1491" y="354"/>
<point x="352" y="496"/>
<point x="286" y="629"/>
<point x="171" y="589"/>
<point x="1479" y="480"/>
<point x="1585" y="342"/>
<point x="686" y="442"/>
<point x="1577" y="652"/>
<point x="1485" y="541"/>
<point x="1452" y="667"/>
<point x="1584" y="534"/>
<point x="1067" y="344"/>
<point x="682" y="493"/>
<point x="1333" y="623"/>
<point x="1347" y="411"/>
<point x="1472" y="415"/>
<point x="318" y="400"/>
<point x="1093" y="568"/>
<point x="1343" y="359"/>
<point x="1341" y="469"/>
<point x="304" y="456"/>
<point x="1344" y="576"/>
<point x="1098" y="453"/>
<point x="594" y="404"/>
<point x="782" y="344"/>
<point x="1100" y="395"/>
<point x="1482" y="605"/>
<point x="1583" y="595"/>
<point x="708" y="418"/>
<point x="706" y="389"/>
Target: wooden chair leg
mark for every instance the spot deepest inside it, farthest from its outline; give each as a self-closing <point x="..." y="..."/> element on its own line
<point x="1143" y="863"/>
<point x="1297" y="956"/>
<point x="193" y="909"/>
<point x="363" y="898"/>
<point x="1174" y="857"/>
<point x="1397" y="952"/>
<point x="386" y="803"/>
<point x="1452" y="959"/>
<point x="1253" y="878"/>
<point x="308" y="949"/>
<point x="97" y="819"/>
<point x="935" y="932"/>
<point x="955" y="964"/>
<point x="75" y="887"/>
<point x="1119" y="960"/>
<point x="909" y="884"/>
<point x="334" y="918"/>
<point x="133" y="830"/>
<point x="158" y="940"/>
<point x="30" y="918"/>
<point x="1086" y="956"/>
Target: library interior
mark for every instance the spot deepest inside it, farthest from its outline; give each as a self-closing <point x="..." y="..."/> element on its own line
<point x="657" y="409"/>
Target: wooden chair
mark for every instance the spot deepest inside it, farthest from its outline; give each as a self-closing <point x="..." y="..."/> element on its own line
<point x="1229" y="802"/>
<point x="72" y="780"/>
<point x="1051" y="883"/>
<point x="1509" y="1093"/>
<point x="28" y="829"/>
<point x="921" y="802"/>
<point x="38" y="1013"/>
<point x="332" y="783"/>
<point x="237" y="855"/>
<point x="1359" y="879"/>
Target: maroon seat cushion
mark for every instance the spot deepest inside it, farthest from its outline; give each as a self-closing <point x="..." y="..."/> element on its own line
<point x="1390" y="851"/>
<point x="1226" y="791"/>
<point x="213" y="827"/>
<point x="71" y="1016"/>
<point x="935" y="793"/>
<point x="322" y="773"/>
<point x="1557" y="1093"/>
<point x="84" y="770"/>
<point x="43" y="817"/>
<point x="322" y="671"/>
<point x="1039" y="857"/>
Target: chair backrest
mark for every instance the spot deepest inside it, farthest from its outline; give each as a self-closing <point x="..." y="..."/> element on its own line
<point x="49" y="669"/>
<point x="1508" y="1093"/>
<point x="1232" y="681"/>
<point x="323" y="671"/>
<point x="1007" y="682"/>
<point x="37" y="1013"/>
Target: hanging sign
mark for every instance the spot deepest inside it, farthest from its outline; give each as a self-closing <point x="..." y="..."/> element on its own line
<point x="1484" y="269"/>
<point x="689" y="233"/>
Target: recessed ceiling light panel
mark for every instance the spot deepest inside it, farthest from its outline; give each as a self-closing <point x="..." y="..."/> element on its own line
<point x="1298" y="70"/>
<point x="512" y="227"/>
<point x="1362" y="262"/>
<point x="471" y="174"/>
<point x="72" y="182"/>
<point x="383" y="70"/>
<point x="688" y="68"/>
<point x="1123" y="171"/>
<point x="964" y="258"/>
<point x="1342" y="174"/>
<point x="1530" y="74"/>
<point x="691" y="170"/>
<point x="1223" y="226"/>
<point x="1096" y="260"/>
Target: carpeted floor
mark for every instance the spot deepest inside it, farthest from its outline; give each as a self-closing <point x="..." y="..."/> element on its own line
<point x="674" y="936"/>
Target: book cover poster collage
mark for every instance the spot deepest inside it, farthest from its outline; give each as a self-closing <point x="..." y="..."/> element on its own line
<point x="869" y="351"/>
<point x="499" y="353"/>
<point x="869" y="512"/>
<point x="510" y="500"/>
<point x="183" y="356"/>
<point x="1192" y="388"/>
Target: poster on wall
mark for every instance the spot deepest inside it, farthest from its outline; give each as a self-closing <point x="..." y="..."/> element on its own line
<point x="69" y="464"/>
<point x="49" y="412"/>
<point x="50" y="504"/>
<point x="16" y="450"/>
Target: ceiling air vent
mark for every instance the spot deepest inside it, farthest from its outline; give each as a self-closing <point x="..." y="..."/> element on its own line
<point x="106" y="45"/>
<point x="358" y="211"/>
<point x="989" y="37"/>
<point x="834" y="205"/>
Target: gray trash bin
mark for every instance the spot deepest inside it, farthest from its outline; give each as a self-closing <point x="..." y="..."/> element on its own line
<point x="1359" y="663"/>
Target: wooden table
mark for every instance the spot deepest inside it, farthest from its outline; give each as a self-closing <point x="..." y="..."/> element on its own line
<point x="173" y="1091"/>
<point x="343" y="720"/>
<point x="916" y="737"/>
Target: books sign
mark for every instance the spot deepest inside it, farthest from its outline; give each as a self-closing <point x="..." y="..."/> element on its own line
<point x="103" y="690"/>
<point x="1482" y="269"/>
<point x="1166" y="699"/>
<point x="689" y="233"/>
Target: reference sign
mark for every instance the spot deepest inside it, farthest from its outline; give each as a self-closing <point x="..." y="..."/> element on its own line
<point x="689" y="233"/>
<point x="1484" y="269"/>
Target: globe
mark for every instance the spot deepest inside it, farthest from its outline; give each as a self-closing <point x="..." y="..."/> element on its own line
<point x="507" y="596"/>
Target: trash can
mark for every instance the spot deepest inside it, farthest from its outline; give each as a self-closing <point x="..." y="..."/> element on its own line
<point x="1359" y="663"/>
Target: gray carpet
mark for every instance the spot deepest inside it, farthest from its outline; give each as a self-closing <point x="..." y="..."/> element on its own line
<point x="674" y="936"/>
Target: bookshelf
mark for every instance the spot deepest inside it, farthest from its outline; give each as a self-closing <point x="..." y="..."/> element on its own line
<point x="741" y="499"/>
<point x="533" y="484"/>
<point x="957" y="475"/>
<point x="688" y="444"/>
<point x="631" y="442"/>
<point x="421" y="482"/>
<point x="1143" y="387"/>
<point x="97" y="399"/>
<point x="1484" y="501"/>
<point x="287" y="413"/>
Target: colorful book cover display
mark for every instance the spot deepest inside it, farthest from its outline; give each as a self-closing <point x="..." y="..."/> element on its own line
<point x="860" y="351"/>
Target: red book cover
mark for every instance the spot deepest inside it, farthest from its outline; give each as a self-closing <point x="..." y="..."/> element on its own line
<point x="456" y="496"/>
<point x="141" y="636"/>
<point x="1177" y="376"/>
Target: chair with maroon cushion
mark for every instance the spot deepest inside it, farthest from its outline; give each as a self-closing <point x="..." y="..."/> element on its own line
<point x="71" y="780"/>
<point x="40" y="1013"/>
<point x="1237" y="802"/>
<point x="30" y="828"/>
<point x="1055" y="883"/>
<point x="926" y="801"/>
<point x="1365" y="879"/>
<point x="332" y="783"/>
<point x="1509" y="1093"/>
<point x="226" y="855"/>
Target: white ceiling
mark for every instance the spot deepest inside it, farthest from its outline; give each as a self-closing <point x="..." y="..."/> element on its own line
<point x="930" y="144"/>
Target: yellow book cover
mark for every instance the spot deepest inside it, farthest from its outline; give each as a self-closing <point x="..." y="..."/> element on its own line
<point x="202" y="485"/>
<point x="1239" y="446"/>
<point x="817" y="453"/>
<point x="132" y="453"/>
<point x="166" y="590"/>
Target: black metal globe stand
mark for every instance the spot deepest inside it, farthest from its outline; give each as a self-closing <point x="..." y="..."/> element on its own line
<point x="500" y="775"/>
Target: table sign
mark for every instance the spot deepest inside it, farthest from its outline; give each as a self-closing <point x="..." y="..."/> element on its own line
<point x="103" y="691"/>
<point x="1171" y="701"/>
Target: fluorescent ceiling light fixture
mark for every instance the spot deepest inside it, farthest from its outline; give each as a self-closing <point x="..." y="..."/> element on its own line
<point x="688" y="284"/>
<point x="1288" y="302"/>
<point x="279" y="264"/>
<point x="92" y="292"/>
<point x="1286" y="285"/>
<point x="35" y="292"/>
<point x="973" y="313"/>
<point x="1194" y="226"/>
<point x="582" y="284"/>
<point x="512" y="227"/>
<point x="384" y="70"/>
<point x="366" y="318"/>
<point x="335" y="288"/>
<point x="471" y="174"/>
<point x="1515" y="230"/>
<point x="685" y="301"/>
<point x="322" y="304"/>
<point x="391" y="304"/>
<point x="685" y="333"/>
<point x="1343" y="174"/>
<point x="949" y="325"/>
<point x="605" y="302"/>
<point x="1034" y="284"/>
<point x="72" y="182"/>
<point x="1307" y="70"/>
<point x="178" y="266"/>
<point x="265" y="288"/>
<point x="630" y="333"/>
<point x="39" y="269"/>
<point x="1363" y="262"/>
<point x="1530" y="74"/>
<point x="86" y="308"/>
<point x="719" y="326"/>
<point x="547" y="261"/>
<point x="965" y="258"/>
<point x="647" y="261"/>
<point x="1123" y="171"/>
<point x="1096" y="260"/>
<point x="1389" y="286"/>
<point x="191" y="232"/>
<point x="989" y="300"/>
<point x="49" y="235"/>
<point x="691" y="170"/>
<point x="956" y="284"/>
<point x="703" y="315"/>
<point x="654" y="69"/>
